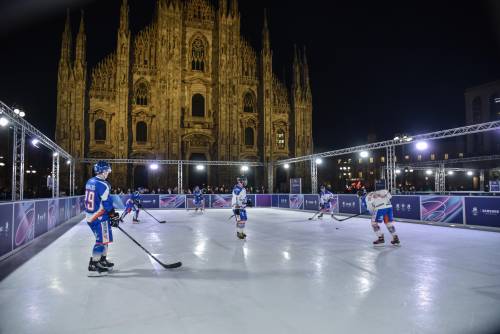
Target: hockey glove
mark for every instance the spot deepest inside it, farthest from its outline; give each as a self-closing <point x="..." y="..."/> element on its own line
<point x="236" y="212"/>
<point x="249" y="203"/>
<point x="114" y="218"/>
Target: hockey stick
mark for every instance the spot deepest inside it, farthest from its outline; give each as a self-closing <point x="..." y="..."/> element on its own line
<point x="159" y="221"/>
<point x="311" y="218"/>
<point x="346" y="218"/>
<point x="166" y="266"/>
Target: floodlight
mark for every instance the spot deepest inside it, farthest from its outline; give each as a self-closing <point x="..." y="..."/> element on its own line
<point x="422" y="145"/>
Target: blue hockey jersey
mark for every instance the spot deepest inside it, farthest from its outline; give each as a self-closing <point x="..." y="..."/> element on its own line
<point x="98" y="202"/>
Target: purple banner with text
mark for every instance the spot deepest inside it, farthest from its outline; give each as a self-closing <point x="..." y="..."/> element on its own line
<point x="406" y="207"/>
<point x="482" y="211"/>
<point x="349" y="204"/>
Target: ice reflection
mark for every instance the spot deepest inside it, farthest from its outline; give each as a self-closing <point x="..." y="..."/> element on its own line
<point x="366" y="277"/>
<point x="55" y="284"/>
<point x="286" y="255"/>
<point x="200" y="248"/>
<point x="425" y="276"/>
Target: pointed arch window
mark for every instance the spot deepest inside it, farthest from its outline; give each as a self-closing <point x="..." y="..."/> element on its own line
<point x="248" y="103"/>
<point x="100" y="130"/>
<point x="141" y="94"/>
<point x="198" y="55"/>
<point x="141" y="132"/>
<point x="198" y="105"/>
<point x="249" y="137"/>
<point x="280" y="139"/>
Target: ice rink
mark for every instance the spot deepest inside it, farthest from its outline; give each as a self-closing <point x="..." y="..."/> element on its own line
<point x="291" y="275"/>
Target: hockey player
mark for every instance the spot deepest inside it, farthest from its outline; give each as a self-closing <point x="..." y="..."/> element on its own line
<point x="198" y="201"/>
<point x="379" y="204"/>
<point x="133" y="204"/>
<point x="100" y="216"/>
<point x="238" y="203"/>
<point x="325" y="198"/>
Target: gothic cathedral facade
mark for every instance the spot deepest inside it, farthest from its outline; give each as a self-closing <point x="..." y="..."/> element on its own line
<point x="188" y="86"/>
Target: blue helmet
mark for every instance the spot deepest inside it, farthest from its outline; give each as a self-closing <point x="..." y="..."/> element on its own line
<point x="101" y="167"/>
<point x="136" y="195"/>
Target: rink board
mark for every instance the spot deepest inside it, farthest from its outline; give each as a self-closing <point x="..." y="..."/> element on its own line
<point x="22" y="222"/>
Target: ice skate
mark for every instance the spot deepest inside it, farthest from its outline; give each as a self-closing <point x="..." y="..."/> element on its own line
<point x="241" y="235"/>
<point x="320" y="216"/>
<point x="108" y="265"/>
<point x="379" y="242"/>
<point x="135" y="221"/>
<point x="96" y="269"/>
<point x="395" y="241"/>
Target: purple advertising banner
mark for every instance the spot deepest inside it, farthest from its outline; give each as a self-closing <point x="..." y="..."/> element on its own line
<point x="349" y="204"/>
<point x="61" y="215"/>
<point x="295" y="186"/>
<point x="150" y="201"/>
<point x="221" y="201"/>
<point x="284" y="201"/>
<point x="407" y="207"/>
<point x="6" y="226"/>
<point x="442" y="209"/>
<point x="41" y="217"/>
<point x="251" y="198"/>
<point x="296" y="201"/>
<point x="81" y="200"/>
<point x="172" y="201"/>
<point x="275" y="201"/>
<point x="75" y="207"/>
<point x="53" y="214"/>
<point x="263" y="201"/>
<point x="335" y="204"/>
<point x="311" y="202"/>
<point x="482" y="211"/>
<point x="190" y="201"/>
<point x="24" y="223"/>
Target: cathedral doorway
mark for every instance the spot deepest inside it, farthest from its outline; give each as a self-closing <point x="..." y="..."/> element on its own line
<point x="140" y="177"/>
<point x="197" y="177"/>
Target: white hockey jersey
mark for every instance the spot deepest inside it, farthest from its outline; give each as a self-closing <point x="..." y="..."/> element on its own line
<point x="239" y="199"/>
<point x="380" y="199"/>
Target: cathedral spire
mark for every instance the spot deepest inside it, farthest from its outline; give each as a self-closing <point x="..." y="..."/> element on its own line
<point x="234" y="8"/>
<point x="66" y="40"/>
<point x="81" y="42"/>
<point x="266" y="43"/>
<point x="305" y="74"/>
<point x="296" y="78"/>
<point x="124" y="16"/>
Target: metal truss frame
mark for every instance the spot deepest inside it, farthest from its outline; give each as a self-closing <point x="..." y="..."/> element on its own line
<point x="454" y="132"/>
<point x="18" y="146"/>
<point x="21" y="129"/>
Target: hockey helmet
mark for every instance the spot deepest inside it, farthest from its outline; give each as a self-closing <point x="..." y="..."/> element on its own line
<point x="242" y="180"/>
<point x="102" y="167"/>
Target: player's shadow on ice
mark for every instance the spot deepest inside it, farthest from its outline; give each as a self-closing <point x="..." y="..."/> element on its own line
<point x="208" y="274"/>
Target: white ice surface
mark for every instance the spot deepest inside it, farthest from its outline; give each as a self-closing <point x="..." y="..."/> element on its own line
<point x="291" y="276"/>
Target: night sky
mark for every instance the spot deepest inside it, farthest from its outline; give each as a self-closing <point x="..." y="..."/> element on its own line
<point x="378" y="67"/>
